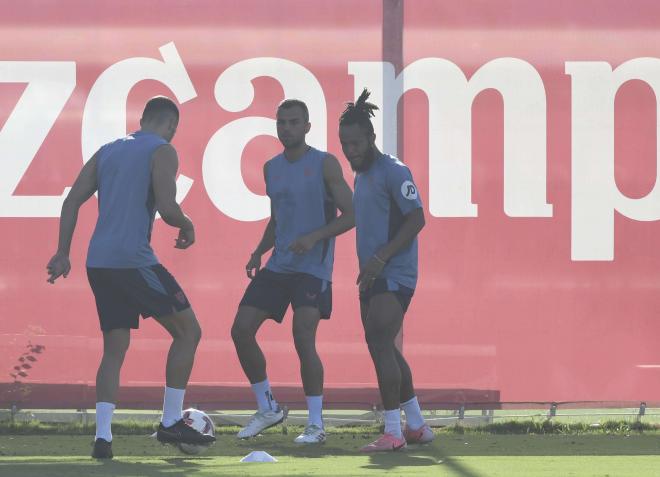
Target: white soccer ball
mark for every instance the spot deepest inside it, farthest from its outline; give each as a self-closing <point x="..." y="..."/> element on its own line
<point x="201" y="422"/>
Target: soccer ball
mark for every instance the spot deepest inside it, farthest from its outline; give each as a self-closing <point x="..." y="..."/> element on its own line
<point x="201" y="422"/>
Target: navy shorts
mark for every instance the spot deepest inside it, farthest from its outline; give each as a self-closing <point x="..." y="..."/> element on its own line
<point x="273" y="292"/>
<point x="123" y="294"/>
<point x="382" y="285"/>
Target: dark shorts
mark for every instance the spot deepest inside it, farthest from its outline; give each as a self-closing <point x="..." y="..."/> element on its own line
<point x="273" y="292"/>
<point x="123" y="294"/>
<point x="382" y="285"/>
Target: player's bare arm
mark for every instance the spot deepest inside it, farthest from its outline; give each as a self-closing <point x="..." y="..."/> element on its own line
<point x="267" y="242"/>
<point x="342" y="196"/>
<point x="413" y="223"/>
<point x="163" y="178"/>
<point x="83" y="188"/>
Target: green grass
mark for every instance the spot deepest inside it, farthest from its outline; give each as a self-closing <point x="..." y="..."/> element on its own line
<point x="473" y="454"/>
<point x="528" y="426"/>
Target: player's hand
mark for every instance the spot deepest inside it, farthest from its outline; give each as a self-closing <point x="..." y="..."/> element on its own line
<point x="370" y="272"/>
<point x="304" y="244"/>
<point x="58" y="266"/>
<point x="253" y="265"/>
<point x="186" y="237"/>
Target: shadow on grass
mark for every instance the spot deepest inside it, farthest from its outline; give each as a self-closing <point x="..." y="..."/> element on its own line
<point x="152" y="468"/>
<point x="445" y="446"/>
<point x="336" y="445"/>
<point x="25" y="456"/>
<point x="411" y="458"/>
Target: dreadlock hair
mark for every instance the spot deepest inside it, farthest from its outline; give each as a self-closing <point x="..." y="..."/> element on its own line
<point x="359" y="113"/>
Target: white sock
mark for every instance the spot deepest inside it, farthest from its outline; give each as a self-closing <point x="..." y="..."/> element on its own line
<point x="172" y="405"/>
<point x="104" y="412"/>
<point x="315" y="407"/>
<point x="414" y="418"/>
<point x="393" y="423"/>
<point x="265" y="400"/>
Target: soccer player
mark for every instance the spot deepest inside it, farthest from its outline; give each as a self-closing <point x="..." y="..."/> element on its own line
<point x="135" y="176"/>
<point x="388" y="217"/>
<point x="305" y="187"/>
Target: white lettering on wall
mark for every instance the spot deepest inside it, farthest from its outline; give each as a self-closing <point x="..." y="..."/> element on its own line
<point x="595" y="196"/>
<point x="450" y="97"/>
<point x="104" y="116"/>
<point x="234" y="92"/>
<point x="49" y="86"/>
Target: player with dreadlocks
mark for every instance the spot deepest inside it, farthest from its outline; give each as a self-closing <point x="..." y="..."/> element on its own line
<point x="388" y="217"/>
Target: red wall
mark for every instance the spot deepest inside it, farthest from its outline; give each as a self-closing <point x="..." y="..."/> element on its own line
<point x="503" y="307"/>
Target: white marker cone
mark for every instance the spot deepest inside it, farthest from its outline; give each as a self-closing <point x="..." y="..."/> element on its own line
<point x="258" y="456"/>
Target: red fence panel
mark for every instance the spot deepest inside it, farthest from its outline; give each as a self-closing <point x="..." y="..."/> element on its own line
<point x="531" y="129"/>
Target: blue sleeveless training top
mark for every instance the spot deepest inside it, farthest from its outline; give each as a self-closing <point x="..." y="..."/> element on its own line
<point x="300" y="205"/>
<point x="126" y="203"/>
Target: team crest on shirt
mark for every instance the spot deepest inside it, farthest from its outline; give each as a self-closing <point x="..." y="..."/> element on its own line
<point x="409" y="190"/>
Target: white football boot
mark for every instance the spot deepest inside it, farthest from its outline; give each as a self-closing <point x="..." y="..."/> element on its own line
<point x="260" y="421"/>
<point x="312" y="434"/>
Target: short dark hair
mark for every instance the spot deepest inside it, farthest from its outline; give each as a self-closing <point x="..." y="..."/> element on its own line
<point x="360" y="112"/>
<point x="159" y="105"/>
<point x="291" y="103"/>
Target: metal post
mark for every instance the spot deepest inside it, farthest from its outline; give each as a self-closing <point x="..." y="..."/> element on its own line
<point x="392" y="44"/>
<point x="285" y="429"/>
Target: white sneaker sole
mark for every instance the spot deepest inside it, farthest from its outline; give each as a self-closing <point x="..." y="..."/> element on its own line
<point x="301" y="442"/>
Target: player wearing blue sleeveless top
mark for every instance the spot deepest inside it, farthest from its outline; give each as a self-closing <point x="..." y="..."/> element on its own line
<point x="135" y="176"/>
<point x="388" y="217"/>
<point x="305" y="187"/>
<point x="126" y="213"/>
<point x="298" y="193"/>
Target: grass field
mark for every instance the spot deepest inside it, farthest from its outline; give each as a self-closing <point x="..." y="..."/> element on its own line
<point x="469" y="454"/>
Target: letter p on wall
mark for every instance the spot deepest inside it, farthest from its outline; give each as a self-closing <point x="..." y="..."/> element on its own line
<point x="594" y="193"/>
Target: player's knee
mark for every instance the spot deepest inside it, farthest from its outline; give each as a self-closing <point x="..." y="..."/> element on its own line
<point x="115" y="351"/>
<point x="185" y="327"/>
<point x="303" y="333"/>
<point x="304" y="341"/>
<point x="240" y="331"/>
<point x="194" y="333"/>
<point x="376" y="340"/>
<point x="376" y="348"/>
<point x="115" y="345"/>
